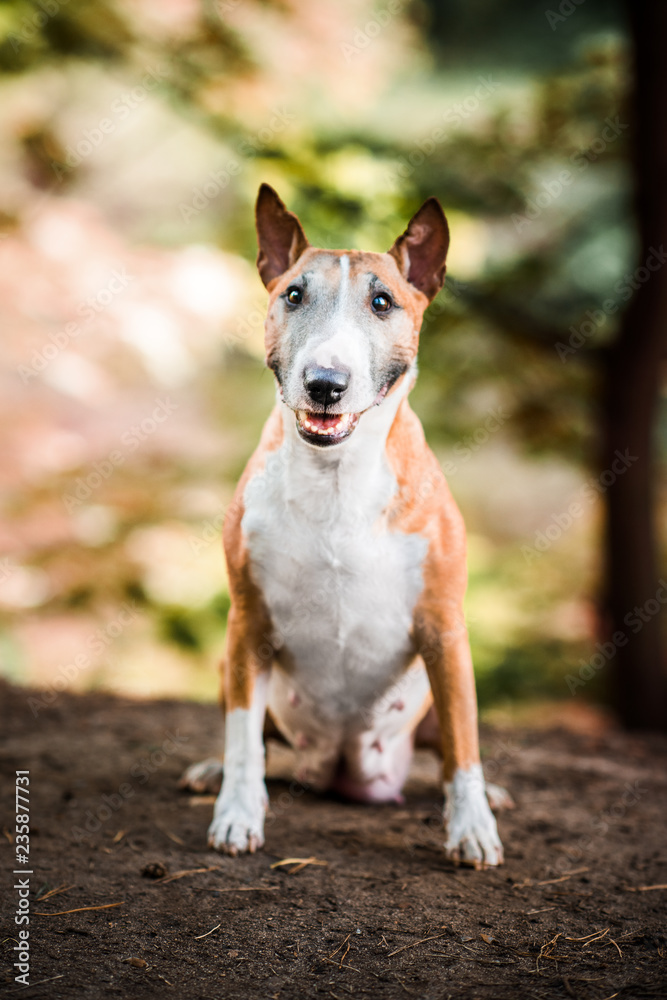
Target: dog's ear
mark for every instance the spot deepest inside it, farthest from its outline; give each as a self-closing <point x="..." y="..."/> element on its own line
<point x="280" y="236"/>
<point x="421" y="251"/>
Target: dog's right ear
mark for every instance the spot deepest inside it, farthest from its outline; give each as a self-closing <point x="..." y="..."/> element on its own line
<point x="279" y="234"/>
<point x="421" y="251"/>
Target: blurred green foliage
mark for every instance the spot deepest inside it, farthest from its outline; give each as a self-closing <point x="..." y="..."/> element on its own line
<point x="486" y="106"/>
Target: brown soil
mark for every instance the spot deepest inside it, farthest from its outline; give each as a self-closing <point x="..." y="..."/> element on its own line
<point x="386" y="915"/>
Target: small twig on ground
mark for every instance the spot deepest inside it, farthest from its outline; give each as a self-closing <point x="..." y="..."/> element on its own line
<point x="182" y="874"/>
<point x="79" y="909"/>
<point x="341" y="945"/>
<point x="342" y="966"/>
<point x="41" y="982"/>
<point x="586" y="937"/>
<point x="368" y="971"/>
<point x="563" y="878"/>
<point x="414" y="944"/>
<point x="598" y="938"/>
<point x="172" y="836"/>
<point x="299" y="863"/>
<point x="200" y="936"/>
<point x="54" y="892"/>
<point x="547" y="950"/>
<point x="616" y="947"/>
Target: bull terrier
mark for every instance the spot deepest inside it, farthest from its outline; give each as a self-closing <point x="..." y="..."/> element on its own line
<point x="345" y="550"/>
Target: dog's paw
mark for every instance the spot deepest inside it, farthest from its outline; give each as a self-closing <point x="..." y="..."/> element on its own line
<point x="499" y="798"/>
<point x="238" y="821"/>
<point x="204" y="777"/>
<point x="472" y="834"/>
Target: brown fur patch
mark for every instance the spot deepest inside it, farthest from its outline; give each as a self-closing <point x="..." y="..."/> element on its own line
<point x="424" y="505"/>
<point x="248" y="623"/>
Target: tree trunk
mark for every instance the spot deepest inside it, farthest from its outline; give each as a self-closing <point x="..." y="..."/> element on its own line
<point x="631" y="395"/>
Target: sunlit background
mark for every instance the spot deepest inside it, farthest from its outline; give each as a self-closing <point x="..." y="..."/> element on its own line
<point x="133" y="137"/>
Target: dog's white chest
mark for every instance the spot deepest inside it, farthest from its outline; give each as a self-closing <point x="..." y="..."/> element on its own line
<point x="340" y="589"/>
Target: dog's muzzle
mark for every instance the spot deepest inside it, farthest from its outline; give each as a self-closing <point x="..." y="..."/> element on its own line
<point x="325" y="428"/>
<point x="325" y="387"/>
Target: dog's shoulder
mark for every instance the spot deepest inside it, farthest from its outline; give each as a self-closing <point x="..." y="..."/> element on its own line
<point x="423" y="503"/>
<point x="269" y="442"/>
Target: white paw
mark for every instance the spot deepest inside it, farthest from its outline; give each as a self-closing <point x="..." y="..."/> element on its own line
<point x="238" y="820"/>
<point x="472" y="834"/>
<point x="499" y="798"/>
<point x="203" y="777"/>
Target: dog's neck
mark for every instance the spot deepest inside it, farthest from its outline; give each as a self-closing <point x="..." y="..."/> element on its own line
<point x="368" y="440"/>
<point x="355" y="470"/>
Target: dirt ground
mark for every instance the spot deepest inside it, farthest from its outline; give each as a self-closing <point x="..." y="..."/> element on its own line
<point x="573" y="913"/>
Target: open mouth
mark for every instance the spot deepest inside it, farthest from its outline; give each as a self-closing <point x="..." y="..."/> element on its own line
<point x="325" y="428"/>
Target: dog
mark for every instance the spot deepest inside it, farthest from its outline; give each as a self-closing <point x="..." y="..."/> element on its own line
<point x="345" y="550"/>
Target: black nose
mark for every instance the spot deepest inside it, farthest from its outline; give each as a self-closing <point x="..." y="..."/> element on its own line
<point x="325" y="385"/>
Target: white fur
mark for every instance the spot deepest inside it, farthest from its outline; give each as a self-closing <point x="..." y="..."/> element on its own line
<point x="472" y="834"/>
<point x="203" y="777"/>
<point x="342" y="335"/>
<point x="339" y="587"/>
<point x="344" y="286"/>
<point x="238" y="816"/>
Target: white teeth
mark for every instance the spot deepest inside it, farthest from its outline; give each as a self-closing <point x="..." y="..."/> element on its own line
<point x="342" y="424"/>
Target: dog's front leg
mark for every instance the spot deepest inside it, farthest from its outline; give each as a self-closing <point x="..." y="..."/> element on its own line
<point x="472" y="835"/>
<point x="238" y="817"/>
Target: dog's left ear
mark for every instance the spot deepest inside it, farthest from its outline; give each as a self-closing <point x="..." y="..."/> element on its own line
<point x="421" y="251"/>
<point x="280" y="236"/>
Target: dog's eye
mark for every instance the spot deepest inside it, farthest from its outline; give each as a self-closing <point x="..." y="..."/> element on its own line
<point x="381" y="304"/>
<point x="294" y="296"/>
